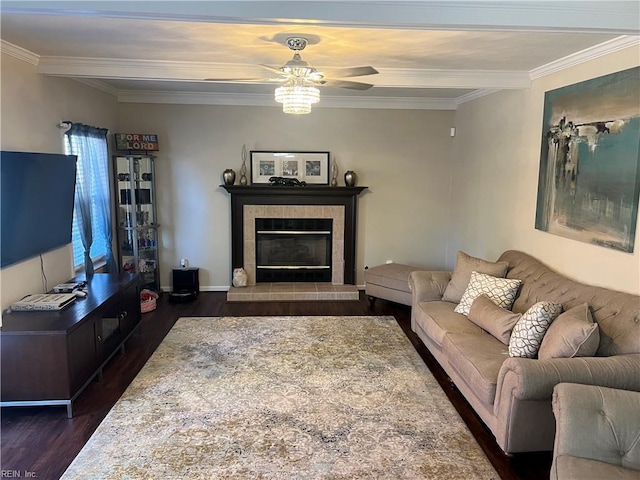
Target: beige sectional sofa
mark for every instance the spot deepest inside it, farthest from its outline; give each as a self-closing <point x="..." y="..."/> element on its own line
<point x="513" y="395"/>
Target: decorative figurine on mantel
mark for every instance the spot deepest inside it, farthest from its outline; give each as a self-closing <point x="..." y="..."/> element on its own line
<point x="243" y="169"/>
<point x="334" y="173"/>
<point x="286" y="182"/>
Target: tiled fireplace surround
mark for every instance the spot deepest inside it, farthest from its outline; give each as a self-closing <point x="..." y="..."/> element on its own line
<point x="248" y="203"/>
<point x="251" y="212"/>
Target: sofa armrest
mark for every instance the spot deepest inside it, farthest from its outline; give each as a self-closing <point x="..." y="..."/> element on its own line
<point x="522" y="405"/>
<point x="428" y="285"/>
<point x="531" y="379"/>
<point x="596" y="423"/>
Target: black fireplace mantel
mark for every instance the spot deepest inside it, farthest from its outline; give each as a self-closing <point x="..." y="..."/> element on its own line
<point x="308" y="195"/>
<point x="307" y="191"/>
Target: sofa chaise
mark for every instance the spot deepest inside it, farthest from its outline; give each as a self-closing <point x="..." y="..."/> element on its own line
<point x="513" y="395"/>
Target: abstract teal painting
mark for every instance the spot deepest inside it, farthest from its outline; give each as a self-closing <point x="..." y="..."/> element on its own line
<point x="589" y="180"/>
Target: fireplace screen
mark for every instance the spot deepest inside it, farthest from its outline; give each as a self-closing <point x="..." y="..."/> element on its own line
<point x="293" y="249"/>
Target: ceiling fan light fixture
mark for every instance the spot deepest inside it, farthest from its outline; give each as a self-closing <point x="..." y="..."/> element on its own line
<point x="297" y="98"/>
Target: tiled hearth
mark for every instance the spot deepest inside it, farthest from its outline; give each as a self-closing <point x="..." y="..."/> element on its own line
<point x="286" y="292"/>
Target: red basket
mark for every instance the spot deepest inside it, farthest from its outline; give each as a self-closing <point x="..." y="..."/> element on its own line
<point x="148" y="301"/>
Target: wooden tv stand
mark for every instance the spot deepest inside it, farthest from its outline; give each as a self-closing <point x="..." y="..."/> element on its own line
<point x="49" y="358"/>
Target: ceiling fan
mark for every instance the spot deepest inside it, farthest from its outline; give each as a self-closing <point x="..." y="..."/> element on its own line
<point x="298" y="72"/>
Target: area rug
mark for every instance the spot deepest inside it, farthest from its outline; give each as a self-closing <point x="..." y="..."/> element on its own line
<point x="283" y="398"/>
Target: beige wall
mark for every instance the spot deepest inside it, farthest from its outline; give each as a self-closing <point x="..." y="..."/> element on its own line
<point x="31" y="107"/>
<point x="496" y="156"/>
<point x="403" y="156"/>
<point x="429" y="195"/>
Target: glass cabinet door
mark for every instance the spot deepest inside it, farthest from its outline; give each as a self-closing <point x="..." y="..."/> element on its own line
<point x="137" y="217"/>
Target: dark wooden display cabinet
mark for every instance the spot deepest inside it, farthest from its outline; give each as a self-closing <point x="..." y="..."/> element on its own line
<point x="48" y="358"/>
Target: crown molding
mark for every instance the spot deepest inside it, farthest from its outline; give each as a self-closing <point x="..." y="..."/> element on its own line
<point x="600" y="50"/>
<point x="393" y="103"/>
<point x="98" y="84"/>
<point x="605" y="48"/>
<point x="474" y="95"/>
<point x="267" y="100"/>
<point x="198" y="71"/>
<point x="19" y="52"/>
<point x="138" y="69"/>
<point x="431" y="78"/>
<point x="200" y="98"/>
<point x="90" y="70"/>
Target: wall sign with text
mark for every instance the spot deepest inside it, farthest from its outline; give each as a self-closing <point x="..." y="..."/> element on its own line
<point x="147" y="142"/>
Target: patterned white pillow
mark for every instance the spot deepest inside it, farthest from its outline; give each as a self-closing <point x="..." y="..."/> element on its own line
<point x="502" y="291"/>
<point x="529" y="331"/>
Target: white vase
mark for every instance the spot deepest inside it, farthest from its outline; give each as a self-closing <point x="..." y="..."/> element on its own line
<point x="239" y="277"/>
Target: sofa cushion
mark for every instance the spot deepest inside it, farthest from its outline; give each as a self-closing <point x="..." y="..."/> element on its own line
<point x="438" y="319"/>
<point x="527" y="334"/>
<point x="502" y="291"/>
<point x="390" y="275"/>
<point x="572" y="334"/>
<point x="465" y="264"/>
<point x="477" y="358"/>
<point x="492" y="318"/>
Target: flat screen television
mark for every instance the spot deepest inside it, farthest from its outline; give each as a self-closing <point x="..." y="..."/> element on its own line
<point x="37" y="192"/>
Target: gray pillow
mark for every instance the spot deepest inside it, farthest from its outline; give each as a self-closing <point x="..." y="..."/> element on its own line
<point x="492" y="318"/>
<point x="572" y="334"/>
<point x="465" y="264"/>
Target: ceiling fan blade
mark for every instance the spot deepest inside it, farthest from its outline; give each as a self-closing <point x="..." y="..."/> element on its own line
<point x="346" y="84"/>
<point x="273" y="69"/>
<point x="350" y="72"/>
<point x="246" y="80"/>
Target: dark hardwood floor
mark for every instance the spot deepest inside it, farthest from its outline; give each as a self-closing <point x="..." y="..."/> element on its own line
<point x="42" y="440"/>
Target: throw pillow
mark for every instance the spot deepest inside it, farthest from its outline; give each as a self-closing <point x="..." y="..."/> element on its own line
<point x="572" y="334"/>
<point x="465" y="264"/>
<point x="492" y="318"/>
<point x="527" y="334"/>
<point x="502" y="291"/>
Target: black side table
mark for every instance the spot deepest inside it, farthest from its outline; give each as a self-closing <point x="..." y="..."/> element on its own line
<point x="186" y="284"/>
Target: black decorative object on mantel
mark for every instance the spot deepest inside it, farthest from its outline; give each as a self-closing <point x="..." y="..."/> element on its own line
<point x="287" y="182"/>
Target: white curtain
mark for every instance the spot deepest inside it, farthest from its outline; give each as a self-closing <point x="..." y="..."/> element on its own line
<point x="92" y="199"/>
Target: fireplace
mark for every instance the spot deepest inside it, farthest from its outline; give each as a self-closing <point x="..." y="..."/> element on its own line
<point x="251" y="205"/>
<point x="308" y="214"/>
<point x="293" y="249"/>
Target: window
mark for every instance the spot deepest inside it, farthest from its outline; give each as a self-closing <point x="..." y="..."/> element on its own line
<point x="92" y="212"/>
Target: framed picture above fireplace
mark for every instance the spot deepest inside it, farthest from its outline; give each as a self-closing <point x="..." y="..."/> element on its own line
<point x="309" y="167"/>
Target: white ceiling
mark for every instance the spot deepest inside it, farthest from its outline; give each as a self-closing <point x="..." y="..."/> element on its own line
<point x="430" y="54"/>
